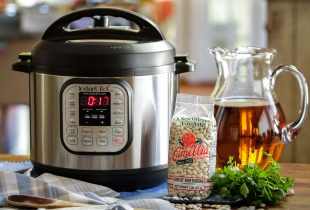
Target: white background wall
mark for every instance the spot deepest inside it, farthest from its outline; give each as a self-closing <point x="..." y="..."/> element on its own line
<point x="202" y="24"/>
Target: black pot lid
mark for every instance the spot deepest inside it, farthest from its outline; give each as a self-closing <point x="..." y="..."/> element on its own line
<point x="67" y="48"/>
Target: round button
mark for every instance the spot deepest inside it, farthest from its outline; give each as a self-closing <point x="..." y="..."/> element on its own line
<point x="87" y="141"/>
<point x="117" y="141"/>
<point x="118" y="121"/>
<point x="102" y="141"/>
<point x="118" y="131"/>
<point x="72" y="140"/>
<point x="72" y="131"/>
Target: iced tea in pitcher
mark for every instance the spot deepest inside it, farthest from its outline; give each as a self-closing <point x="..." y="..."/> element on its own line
<point x="246" y="130"/>
<point x="249" y="117"/>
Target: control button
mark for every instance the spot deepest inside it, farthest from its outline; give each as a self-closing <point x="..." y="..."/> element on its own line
<point x="102" y="132"/>
<point x="72" y="121"/>
<point x="94" y="116"/>
<point x="72" y="140"/>
<point x="72" y="103"/>
<point x="73" y="131"/>
<point x="118" y="102"/>
<point x="87" y="141"/>
<point x="118" y="131"/>
<point x="117" y="112"/>
<point x="71" y="94"/>
<point x="72" y="113"/>
<point x="102" y="141"/>
<point x="118" y="121"/>
<point x="101" y="116"/>
<point x="87" y="131"/>
<point x="118" y="94"/>
<point x="117" y="141"/>
<point x="87" y="116"/>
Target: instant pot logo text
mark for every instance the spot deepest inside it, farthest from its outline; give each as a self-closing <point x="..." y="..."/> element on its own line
<point x="101" y="88"/>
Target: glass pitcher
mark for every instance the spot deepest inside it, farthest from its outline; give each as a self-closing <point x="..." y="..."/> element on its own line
<point x="249" y="116"/>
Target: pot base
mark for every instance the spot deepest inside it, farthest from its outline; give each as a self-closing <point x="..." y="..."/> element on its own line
<point x="118" y="180"/>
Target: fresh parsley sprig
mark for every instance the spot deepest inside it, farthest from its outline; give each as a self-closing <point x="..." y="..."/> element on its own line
<point x="252" y="183"/>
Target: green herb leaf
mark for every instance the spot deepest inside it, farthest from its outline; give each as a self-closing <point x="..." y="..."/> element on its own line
<point x="253" y="184"/>
<point x="244" y="190"/>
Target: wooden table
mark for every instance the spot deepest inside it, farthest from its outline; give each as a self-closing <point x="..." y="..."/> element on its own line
<point x="301" y="173"/>
<point x="301" y="198"/>
<point x="13" y="158"/>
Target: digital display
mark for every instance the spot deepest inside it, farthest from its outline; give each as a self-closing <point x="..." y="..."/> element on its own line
<point x="95" y="108"/>
<point x="95" y="101"/>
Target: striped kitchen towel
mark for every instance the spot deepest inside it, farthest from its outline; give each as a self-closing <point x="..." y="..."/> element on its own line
<point x="52" y="186"/>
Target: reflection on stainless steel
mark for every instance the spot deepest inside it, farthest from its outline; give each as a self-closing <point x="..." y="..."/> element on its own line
<point x="150" y="108"/>
<point x="14" y="129"/>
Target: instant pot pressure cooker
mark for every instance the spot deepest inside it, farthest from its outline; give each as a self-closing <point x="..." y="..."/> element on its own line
<point x="101" y="99"/>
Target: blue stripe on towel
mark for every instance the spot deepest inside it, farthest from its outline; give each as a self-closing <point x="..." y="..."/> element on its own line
<point x="154" y="192"/>
<point x="24" y="185"/>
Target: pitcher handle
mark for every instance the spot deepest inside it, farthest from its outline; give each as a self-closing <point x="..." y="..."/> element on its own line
<point x="292" y="129"/>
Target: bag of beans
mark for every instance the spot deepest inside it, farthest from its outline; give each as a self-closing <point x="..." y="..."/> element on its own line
<point x="192" y="147"/>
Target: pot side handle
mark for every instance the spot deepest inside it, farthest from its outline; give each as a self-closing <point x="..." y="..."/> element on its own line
<point x="24" y="63"/>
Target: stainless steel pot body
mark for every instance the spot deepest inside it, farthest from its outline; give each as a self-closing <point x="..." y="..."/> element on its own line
<point x="152" y="101"/>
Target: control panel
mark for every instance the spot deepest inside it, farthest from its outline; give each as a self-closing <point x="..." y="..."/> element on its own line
<point x="95" y="117"/>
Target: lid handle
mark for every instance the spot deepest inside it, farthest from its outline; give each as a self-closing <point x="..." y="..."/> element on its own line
<point x="148" y="31"/>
